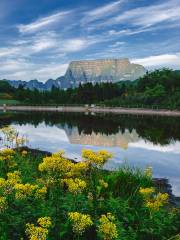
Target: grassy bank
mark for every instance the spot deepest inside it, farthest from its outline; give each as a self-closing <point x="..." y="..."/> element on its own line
<point x="6" y="98"/>
<point x="50" y="197"/>
<point x="9" y="102"/>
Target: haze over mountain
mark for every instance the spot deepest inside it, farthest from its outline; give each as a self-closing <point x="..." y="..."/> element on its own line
<point x="80" y="72"/>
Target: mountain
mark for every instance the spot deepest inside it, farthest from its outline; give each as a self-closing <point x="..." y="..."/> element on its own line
<point x="103" y="70"/>
<point x="35" y="84"/>
<point x="107" y="70"/>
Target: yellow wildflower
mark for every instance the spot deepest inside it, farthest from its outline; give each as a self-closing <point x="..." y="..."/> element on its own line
<point x="77" y="169"/>
<point x="44" y="222"/>
<point x="36" y="233"/>
<point x="14" y="177"/>
<point x="7" y="186"/>
<point x="147" y="192"/>
<point x="75" y="185"/>
<point x="103" y="183"/>
<point x="2" y="183"/>
<point x="6" y="154"/>
<point x="28" y="190"/>
<point x="24" y="153"/>
<point x="98" y="158"/>
<point x="80" y="222"/>
<point x="24" y="190"/>
<point x="58" y="154"/>
<point x="39" y="232"/>
<point x="152" y="201"/>
<point x="3" y="204"/>
<point x="107" y="228"/>
<point x="55" y="164"/>
<point x="162" y="197"/>
<point x="20" y="141"/>
<point x="159" y="201"/>
<point x="148" y="172"/>
<point x="40" y="193"/>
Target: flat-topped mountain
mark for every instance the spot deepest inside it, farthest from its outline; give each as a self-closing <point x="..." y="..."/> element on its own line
<point x="103" y="70"/>
<point x="80" y="72"/>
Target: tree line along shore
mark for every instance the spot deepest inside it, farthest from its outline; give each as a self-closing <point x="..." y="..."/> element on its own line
<point x="155" y="90"/>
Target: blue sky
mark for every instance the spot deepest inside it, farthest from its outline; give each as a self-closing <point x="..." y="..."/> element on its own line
<point x="38" y="38"/>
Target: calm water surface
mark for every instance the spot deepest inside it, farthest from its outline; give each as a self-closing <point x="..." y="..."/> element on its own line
<point x="138" y="141"/>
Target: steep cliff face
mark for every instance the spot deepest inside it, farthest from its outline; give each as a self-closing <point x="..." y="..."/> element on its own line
<point x="102" y="71"/>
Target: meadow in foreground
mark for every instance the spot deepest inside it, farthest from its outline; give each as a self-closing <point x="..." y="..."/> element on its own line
<point x="50" y="197"/>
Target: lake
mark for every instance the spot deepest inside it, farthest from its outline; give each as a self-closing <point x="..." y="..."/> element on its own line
<point x="138" y="141"/>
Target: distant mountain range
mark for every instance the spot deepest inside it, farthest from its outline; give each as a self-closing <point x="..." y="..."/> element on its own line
<point x="80" y="72"/>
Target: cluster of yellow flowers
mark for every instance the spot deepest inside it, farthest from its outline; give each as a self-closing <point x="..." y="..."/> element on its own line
<point x="160" y="200"/>
<point x="153" y="201"/>
<point x="107" y="228"/>
<point x="147" y="192"/>
<point x="44" y="222"/>
<point x="6" y="154"/>
<point x="22" y="191"/>
<point x="77" y="169"/>
<point x="55" y="164"/>
<point x="7" y="186"/>
<point x="39" y="232"/>
<point x="98" y="158"/>
<point x="28" y="190"/>
<point x="148" y="172"/>
<point x="75" y="185"/>
<point x="3" y="204"/>
<point x="64" y="171"/>
<point x="58" y="164"/>
<point x="80" y="222"/>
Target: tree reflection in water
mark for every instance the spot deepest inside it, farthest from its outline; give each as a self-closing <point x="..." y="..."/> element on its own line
<point x="156" y="129"/>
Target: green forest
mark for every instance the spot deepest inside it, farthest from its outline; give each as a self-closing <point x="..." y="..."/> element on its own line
<point x="158" y="89"/>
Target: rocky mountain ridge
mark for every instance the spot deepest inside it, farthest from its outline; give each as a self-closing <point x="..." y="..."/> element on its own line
<point x="80" y="72"/>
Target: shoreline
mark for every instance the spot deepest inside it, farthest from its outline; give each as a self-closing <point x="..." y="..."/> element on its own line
<point x="96" y="109"/>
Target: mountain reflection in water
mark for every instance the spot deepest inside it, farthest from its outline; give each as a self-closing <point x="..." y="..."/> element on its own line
<point x="137" y="140"/>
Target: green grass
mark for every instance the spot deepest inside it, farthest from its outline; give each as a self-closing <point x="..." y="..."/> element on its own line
<point x="8" y="102"/>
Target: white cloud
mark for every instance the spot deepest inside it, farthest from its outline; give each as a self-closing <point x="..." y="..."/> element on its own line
<point x="117" y="44"/>
<point x="31" y="55"/>
<point x="101" y="12"/>
<point x="13" y="65"/>
<point x="8" y="51"/>
<point x="168" y="60"/>
<point x="27" y="47"/>
<point x="43" y="22"/>
<point x="24" y="69"/>
<point x="74" y="45"/>
<point x="53" y="70"/>
<point x="147" y="16"/>
<point x="43" y="43"/>
<point x="128" y="32"/>
<point x="172" y="147"/>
